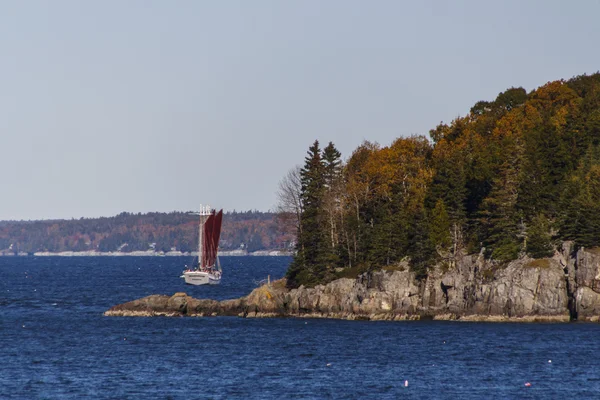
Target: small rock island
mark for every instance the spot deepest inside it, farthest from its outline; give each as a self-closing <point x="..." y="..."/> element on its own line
<point x="495" y="216"/>
<point x="563" y="288"/>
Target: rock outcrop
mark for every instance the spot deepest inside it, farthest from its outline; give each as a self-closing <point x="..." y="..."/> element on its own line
<point x="558" y="289"/>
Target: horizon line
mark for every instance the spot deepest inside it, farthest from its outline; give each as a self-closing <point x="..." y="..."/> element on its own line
<point x="139" y="213"/>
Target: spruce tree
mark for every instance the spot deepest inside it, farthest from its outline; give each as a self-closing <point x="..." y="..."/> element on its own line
<point x="421" y="249"/>
<point x="499" y="217"/>
<point x="539" y="237"/>
<point x="580" y="220"/>
<point x="332" y="165"/>
<point x="439" y="231"/>
<point x="387" y="235"/>
<point x="309" y="264"/>
<point x="449" y="187"/>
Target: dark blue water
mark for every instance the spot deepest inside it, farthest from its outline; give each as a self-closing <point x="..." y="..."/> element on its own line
<point x="55" y="343"/>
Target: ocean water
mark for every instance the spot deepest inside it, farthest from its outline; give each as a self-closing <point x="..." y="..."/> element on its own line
<point x="55" y="344"/>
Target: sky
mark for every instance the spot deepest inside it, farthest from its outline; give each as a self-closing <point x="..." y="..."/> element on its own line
<point x="140" y="106"/>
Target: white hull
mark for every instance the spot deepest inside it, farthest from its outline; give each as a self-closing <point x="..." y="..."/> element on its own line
<point x="201" y="278"/>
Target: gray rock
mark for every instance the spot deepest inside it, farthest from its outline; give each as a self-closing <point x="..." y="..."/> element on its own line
<point x="556" y="289"/>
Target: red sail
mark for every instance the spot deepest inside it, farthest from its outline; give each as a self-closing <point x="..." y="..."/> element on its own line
<point x="207" y="230"/>
<point x="210" y="240"/>
<point x="217" y="231"/>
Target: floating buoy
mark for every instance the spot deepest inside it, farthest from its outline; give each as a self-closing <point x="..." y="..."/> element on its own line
<point x="549" y="361"/>
<point x="329" y="364"/>
<point x="124" y="338"/>
<point x="527" y="384"/>
<point x="405" y="383"/>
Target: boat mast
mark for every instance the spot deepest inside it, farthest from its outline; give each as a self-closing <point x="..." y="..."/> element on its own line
<point x="204" y="214"/>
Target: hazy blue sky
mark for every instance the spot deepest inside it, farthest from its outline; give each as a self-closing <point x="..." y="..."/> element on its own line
<point x="113" y="106"/>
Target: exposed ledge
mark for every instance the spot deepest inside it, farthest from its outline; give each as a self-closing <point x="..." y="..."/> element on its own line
<point x="558" y="289"/>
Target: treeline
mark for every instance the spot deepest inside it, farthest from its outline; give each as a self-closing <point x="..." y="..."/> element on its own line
<point x="252" y="230"/>
<point x="515" y="176"/>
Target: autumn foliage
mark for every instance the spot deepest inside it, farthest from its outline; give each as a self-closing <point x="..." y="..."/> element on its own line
<point x="252" y="230"/>
<point x="514" y="176"/>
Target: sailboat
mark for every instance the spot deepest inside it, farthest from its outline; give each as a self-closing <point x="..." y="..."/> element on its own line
<point x="208" y="270"/>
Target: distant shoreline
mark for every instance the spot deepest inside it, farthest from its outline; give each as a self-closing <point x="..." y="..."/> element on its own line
<point x="150" y="253"/>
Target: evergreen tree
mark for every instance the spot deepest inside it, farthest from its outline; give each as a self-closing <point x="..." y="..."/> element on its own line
<point x="580" y="220"/>
<point x="309" y="266"/>
<point x="499" y="217"/>
<point x="539" y="237"/>
<point x="332" y="165"/>
<point x="421" y="249"/>
<point x="449" y="187"/>
<point x="387" y="239"/>
<point x="439" y="230"/>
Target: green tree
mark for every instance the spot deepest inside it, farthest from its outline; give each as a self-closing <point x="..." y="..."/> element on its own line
<point x="510" y="99"/>
<point x="499" y="217"/>
<point x="439" y="230"/>
<point x="309" y="265"/>
<point x="421" y="249"/>
<point x="539" y="237"/>
<point x="580" y="220"/>
<point x="332" y="164"/>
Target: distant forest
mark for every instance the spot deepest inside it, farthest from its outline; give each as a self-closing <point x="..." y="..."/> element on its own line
<point x="251" y="230"/>
<point x="515" y="176"/>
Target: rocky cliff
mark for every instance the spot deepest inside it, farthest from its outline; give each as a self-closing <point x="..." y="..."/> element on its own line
<point x="558" y="289"/>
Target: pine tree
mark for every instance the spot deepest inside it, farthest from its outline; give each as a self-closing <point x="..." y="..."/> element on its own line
<point x="332" y="165"/>
<point x="580" y="220"/>
<point x="449" y="186"/>
<point x="539" y="237"/>
<point x="499" y="217"/>
<point x="309" y="265"/>
<point x="439" y="230"/>
<point x="387" y="239"/>
<point x="421" y="249"/>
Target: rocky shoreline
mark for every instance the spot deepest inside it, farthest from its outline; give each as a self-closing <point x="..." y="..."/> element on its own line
<point x="563" y="288"/>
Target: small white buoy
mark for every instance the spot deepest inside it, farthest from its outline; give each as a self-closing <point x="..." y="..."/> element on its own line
<point x="124" y="338"/>
<point x="549" y="361"/>
<point x="405" y="383"/>
<point x="306" y="323"/>
<point x="329" y="364"/>
<point x="23" y="326"/>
